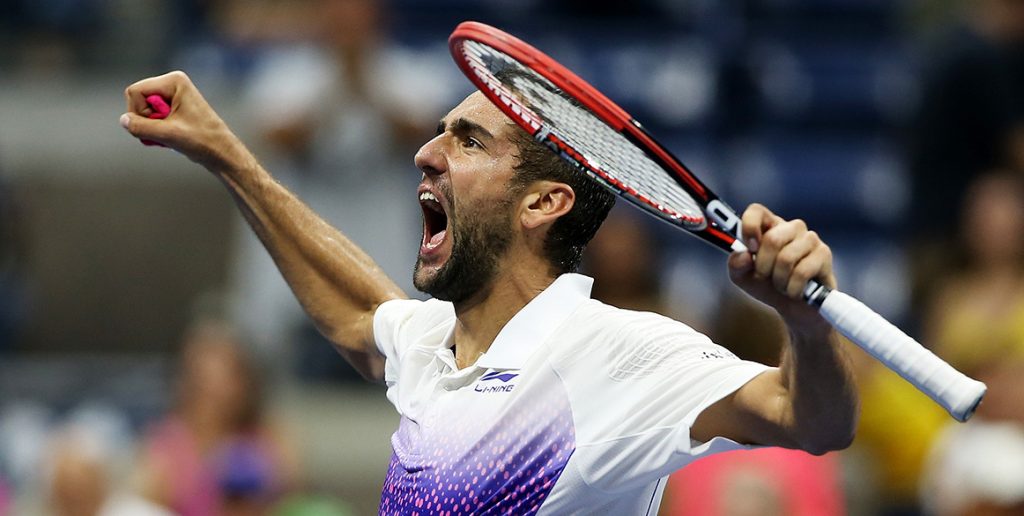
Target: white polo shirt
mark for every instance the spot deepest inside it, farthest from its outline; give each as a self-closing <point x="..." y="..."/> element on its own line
<point x="577" y="407"/>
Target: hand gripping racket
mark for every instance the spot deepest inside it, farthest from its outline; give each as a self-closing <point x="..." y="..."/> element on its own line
<point x="599" y="138"/>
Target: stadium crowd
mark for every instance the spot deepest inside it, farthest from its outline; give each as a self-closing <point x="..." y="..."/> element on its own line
<point x="152" y="361"/>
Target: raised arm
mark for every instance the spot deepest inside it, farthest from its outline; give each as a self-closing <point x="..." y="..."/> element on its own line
<point x="337" y="284"/>
<point x="810" y="401"/>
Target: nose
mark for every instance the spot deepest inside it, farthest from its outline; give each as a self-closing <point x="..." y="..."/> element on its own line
<point x="430" y="158"/>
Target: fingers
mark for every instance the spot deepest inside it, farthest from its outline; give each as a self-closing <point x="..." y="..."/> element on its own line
<point x="138" y="120"/>
<point x="192" y="127"/>
<point x="787" y="258"/>
<point x="145" y="128"/>
<point x="755" y="221"/>
<point x="816" y="265"/>
<point x="167" y="86"/>
<point x="740" y="265"/>
<point x="788" y="255"/>
<point x="773" y="241"/>
<point x="804" y="259"/>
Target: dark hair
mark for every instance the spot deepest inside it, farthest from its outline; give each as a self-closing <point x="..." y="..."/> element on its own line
<point x="570" y="234"/>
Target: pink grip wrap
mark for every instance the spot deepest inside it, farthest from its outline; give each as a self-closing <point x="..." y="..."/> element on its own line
<point x="160" y="109"/>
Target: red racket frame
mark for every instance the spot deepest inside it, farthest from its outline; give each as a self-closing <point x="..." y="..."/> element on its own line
<point x="602" y="107"/>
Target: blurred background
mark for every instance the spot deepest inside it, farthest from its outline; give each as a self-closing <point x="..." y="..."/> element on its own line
<point x="153" y="362"/>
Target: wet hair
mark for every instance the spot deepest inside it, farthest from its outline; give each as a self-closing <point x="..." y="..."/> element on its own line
<point x="570" y="233"/>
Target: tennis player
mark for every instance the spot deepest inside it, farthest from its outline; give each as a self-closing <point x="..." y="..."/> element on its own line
<point x="519" y="394"/>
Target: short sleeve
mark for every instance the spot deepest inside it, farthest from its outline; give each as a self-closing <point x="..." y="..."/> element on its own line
<point x="400" y="323"/>
<point x="636" y="390"/>
<point x="389" y="321"/>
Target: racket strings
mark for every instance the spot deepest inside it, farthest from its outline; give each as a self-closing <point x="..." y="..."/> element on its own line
<point x="602" y="151"/>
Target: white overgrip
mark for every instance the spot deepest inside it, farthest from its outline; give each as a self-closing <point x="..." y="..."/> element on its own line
<point x="956" y="392"/>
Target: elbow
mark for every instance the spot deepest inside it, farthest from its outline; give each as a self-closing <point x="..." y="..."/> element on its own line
<point x="830" y="430"/>
<point x="834" y="441"/>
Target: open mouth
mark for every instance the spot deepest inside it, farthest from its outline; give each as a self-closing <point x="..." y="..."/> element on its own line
<point x="435" y="221"/>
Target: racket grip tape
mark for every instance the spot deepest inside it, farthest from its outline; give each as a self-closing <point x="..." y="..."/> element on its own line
<point x="955" y="391"/>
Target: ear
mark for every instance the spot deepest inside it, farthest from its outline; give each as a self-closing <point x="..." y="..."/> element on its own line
<point x="544" y="202"/>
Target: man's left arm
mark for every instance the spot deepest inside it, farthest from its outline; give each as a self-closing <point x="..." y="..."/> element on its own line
<point x="809" y="402"/>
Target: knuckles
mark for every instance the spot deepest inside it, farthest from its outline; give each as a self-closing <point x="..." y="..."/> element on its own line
<point x="180" y="78"/>
<point x="786" y="260"/>
<point x="773" y="239"/>
<point x="176" y="77"/>
<point x="757" y="207"/>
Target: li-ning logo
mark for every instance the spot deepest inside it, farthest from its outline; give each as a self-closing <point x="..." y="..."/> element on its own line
<point x="492" y="385"/>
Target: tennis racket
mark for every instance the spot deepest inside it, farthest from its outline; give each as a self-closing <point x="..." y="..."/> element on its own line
<point x="599" y="138"/>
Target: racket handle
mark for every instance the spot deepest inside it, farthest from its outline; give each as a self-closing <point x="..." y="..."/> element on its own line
<point x="955" y="391"/>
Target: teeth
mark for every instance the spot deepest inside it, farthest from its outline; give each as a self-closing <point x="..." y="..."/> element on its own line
<point x="427" y="196"/>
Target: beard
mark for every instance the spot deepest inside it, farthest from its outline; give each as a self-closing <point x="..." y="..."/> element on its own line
<point x="477" y="246"/>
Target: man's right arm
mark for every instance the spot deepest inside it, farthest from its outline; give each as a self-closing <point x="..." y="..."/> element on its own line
<point x="338" y="285"/>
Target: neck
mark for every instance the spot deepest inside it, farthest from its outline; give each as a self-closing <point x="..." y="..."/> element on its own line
<point x="481" y="318"/>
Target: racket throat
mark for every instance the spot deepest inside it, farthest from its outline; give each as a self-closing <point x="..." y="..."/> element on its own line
<point x="724" y="216"/>
<point x="815" y="293"/>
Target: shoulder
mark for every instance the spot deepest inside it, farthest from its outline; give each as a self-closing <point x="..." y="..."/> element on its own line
<point x="599" y="317"/>
<point x="610" y="333"/>
<point x="399" y="323"/>
<point x="414" y="313"/>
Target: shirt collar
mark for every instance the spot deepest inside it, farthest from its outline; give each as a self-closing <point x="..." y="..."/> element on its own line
<point x="534" y="322"/>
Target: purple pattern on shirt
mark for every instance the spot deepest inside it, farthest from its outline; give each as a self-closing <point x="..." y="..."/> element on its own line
<point x="505" y="464"/>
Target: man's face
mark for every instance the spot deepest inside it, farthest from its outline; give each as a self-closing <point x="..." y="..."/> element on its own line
<point x="467" y="208"/>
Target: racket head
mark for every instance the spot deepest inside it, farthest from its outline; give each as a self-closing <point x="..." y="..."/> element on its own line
<point x="561" y="110"/>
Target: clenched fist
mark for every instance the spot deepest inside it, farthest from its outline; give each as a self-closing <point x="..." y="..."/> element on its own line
<point x="192" y="128"/>
<point x="784" y="255"/>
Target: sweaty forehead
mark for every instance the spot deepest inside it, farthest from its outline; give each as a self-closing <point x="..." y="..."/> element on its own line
<point x="478" y="109"/>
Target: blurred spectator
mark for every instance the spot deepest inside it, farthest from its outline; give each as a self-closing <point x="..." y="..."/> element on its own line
<point x="976" y="321"/>
<point x="217" y="452"/>
<point x="896" y="429"/>
<point x="83" y="468"/>
<point x="12" y="267"/>
<point x="977" y="317"/>
<point x="23" y="439"/>
<point x="624" y="259"/>
<point x="761" y="482"/>
<point x="339" y="110"/>
<point x="5" y="498"/>
<point x="52" y="34"/>
<point x="972" y="106"/>
<point x="970" y="120"/>
<point x="748" y="328"/>
<point x="976" y="469"/>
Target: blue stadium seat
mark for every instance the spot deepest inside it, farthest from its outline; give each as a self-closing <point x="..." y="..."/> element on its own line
<point x="833" y="181"/>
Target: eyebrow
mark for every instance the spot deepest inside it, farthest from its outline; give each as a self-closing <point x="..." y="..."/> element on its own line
<point x="464" y="127"/>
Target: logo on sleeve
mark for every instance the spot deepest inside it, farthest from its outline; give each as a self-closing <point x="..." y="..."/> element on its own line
<point x="720" y="353"/>
<point x="496" y="381"/>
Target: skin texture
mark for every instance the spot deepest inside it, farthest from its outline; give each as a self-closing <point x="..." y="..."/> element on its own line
<point x="479" y="234"/>
<point x="808" y="402"/>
